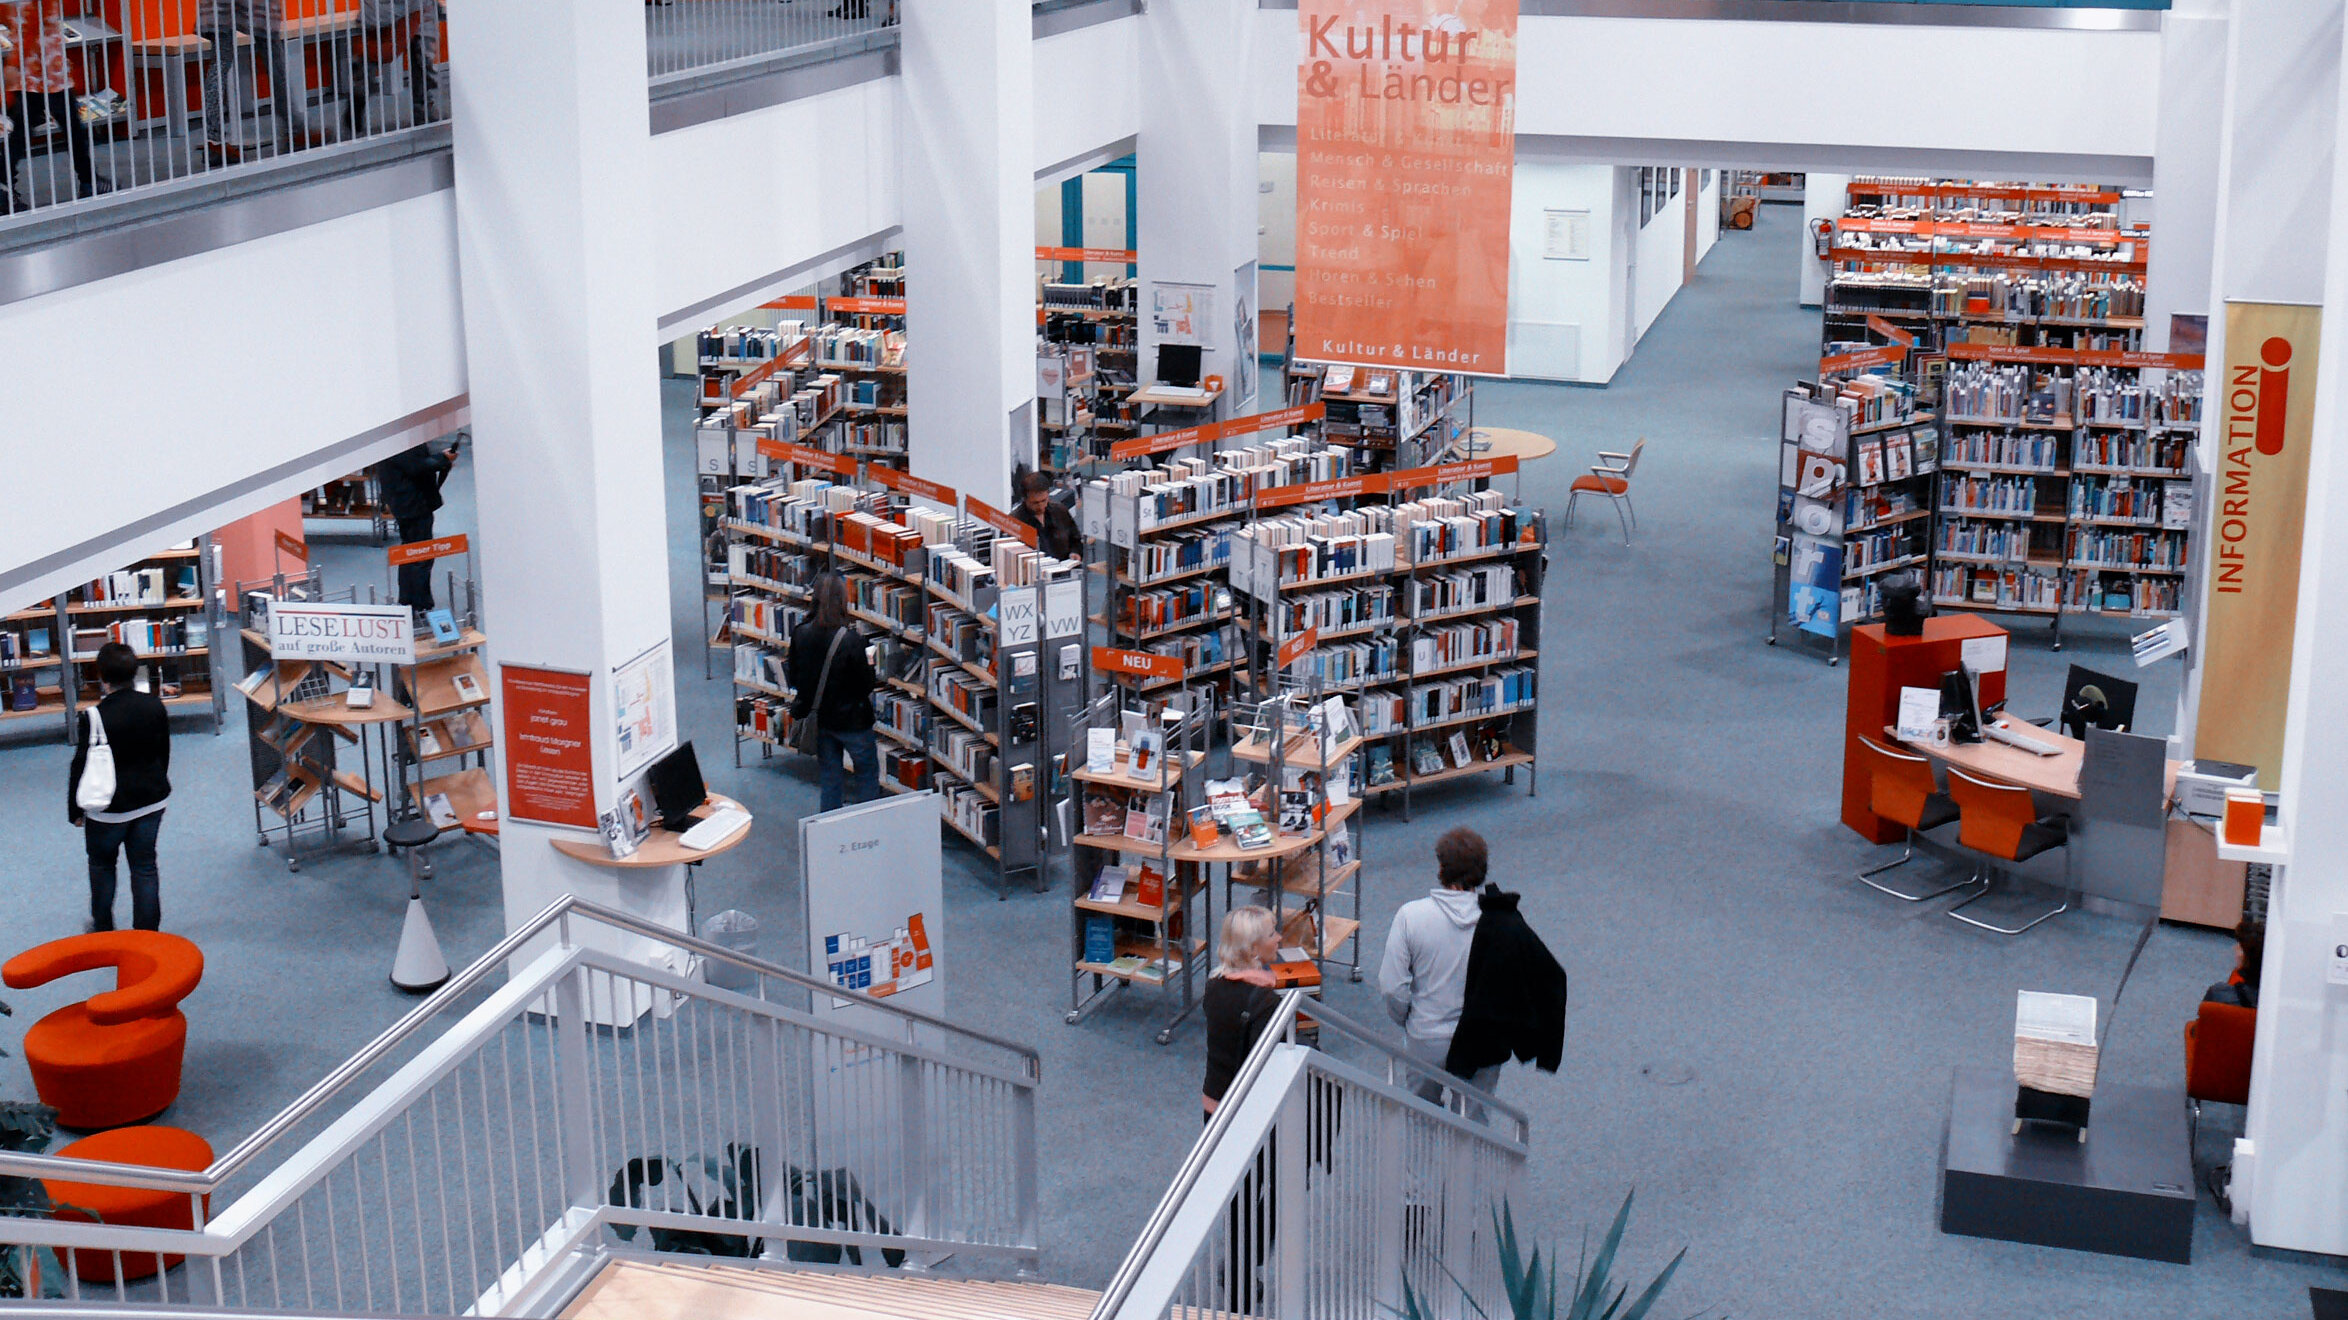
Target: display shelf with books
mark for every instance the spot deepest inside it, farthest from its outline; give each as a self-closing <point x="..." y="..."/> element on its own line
<point x="2066" y="486"/>
<point x="1139" y="917"/>
<point x="1855" y="472"/>
<point x="1426" y="607"/>
<point x="1388" y="419"/>
<point x="445" y="748"/>
<point x="1311" y="756"/>
<point x="1087" y="356"/>
<point x="323" y="737"/>
<point x="346" y="504"/>
<point x="166" y="607"/>
<point x="35" y="676"/>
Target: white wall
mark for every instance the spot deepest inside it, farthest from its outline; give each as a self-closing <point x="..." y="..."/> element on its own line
<point x="1086" y="97"/>
<point x="1662" y="255"/>
<point x="1561" y="312"/>
<point x="1726" y="92"/>
<point x="281" y="348"/>
<point x="1707" y="212"/>
<point x="1823" y="196"/>
<point x="741" y="201"/>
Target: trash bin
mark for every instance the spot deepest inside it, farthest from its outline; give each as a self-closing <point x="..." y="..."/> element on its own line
<point x="736" y="931"/>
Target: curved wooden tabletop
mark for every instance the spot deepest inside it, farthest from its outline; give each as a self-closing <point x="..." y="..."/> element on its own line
<point x="662" y="847"/>
<point x="1501" y="442"/>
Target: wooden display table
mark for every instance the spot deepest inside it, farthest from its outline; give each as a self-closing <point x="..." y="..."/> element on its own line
<point x="1500" y="442"/>
<point x="662" y="847"/>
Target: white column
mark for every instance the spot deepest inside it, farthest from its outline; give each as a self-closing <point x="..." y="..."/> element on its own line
<point x="552" y="145"/>
<point x="2185" y="146"/>
<point x="1823" y="196"/>
<point x="1197" y="172"/>
<point x="967" y="130"/>
<point x="2280" y="210"/>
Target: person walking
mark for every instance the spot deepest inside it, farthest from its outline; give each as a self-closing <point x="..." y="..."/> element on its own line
<point x="137" y="730"/>
<point x="410" y="482"/>
<point x="1239" y="998"/>
<point x="1423" y="974"/>
<point x="827" y="655"/>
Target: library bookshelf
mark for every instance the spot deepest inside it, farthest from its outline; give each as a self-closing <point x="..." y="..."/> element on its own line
<point x="1141" y="909"/>
<point x="165" y="607"/>
<point x="1087" y="358"/>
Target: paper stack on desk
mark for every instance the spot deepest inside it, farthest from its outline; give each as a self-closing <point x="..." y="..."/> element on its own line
<point x="2054" y="1042"/>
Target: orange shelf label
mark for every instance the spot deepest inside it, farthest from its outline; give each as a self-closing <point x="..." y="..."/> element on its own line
<point x="439" y="547"/>
<point x="1298" y="645"/>
<point x="1144" y="664"/>
<point x="1111" y="255"/>
<point x="783" y="451"/>
<point x="1307" y="492"/>
<point x="294" y="546"/>
<point x="997" y="519"/>
<point x="866" y="306"/>
<point x="912" y="485"/>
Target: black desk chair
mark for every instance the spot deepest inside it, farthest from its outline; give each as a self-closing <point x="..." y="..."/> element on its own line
<point x="2093" y="701"/>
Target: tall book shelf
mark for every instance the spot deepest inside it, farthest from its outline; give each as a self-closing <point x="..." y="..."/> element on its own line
<point x="1419" y="592"/>
<point x="164" y="607"/>
<point x="1390" y="420"/>
<point x="1088" y="360"/>
<point x="968" y="626"/>
<point x="1964" y="321"/>
<point x="1140" y="916"/>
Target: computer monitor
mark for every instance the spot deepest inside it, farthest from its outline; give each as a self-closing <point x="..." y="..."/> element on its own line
<point x="1178" y="365"/>
<point x="2096" y="701"/>
<point x="1960" y="700"/>
<point x="677" y="787"/>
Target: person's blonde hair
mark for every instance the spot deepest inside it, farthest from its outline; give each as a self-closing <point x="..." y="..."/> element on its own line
<point x="1243" y="929"/>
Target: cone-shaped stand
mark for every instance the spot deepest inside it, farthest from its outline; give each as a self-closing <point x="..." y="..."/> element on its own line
<point x="418" y="967"/>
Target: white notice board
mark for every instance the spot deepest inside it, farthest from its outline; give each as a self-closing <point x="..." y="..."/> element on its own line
<point x="875" y="904"/>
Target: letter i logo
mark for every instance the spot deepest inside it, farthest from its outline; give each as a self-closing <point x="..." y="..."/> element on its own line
<point x="2274" y="393"/>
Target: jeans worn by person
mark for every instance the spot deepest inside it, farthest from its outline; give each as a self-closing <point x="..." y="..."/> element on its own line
<point x="104" y="840"/>
<point x="831" y="774"/>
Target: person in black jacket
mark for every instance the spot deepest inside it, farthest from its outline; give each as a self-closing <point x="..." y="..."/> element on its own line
<point x="410" y="481"/>
<point x="1056" y="533"/>
<point x="139" y="731"/>
<point x="844" y="722"/>
<point x="1514" y="1003"/>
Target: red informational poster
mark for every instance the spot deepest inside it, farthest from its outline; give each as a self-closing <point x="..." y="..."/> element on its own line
<point x="1406" y="160"/>
<point x="547" y="748"/>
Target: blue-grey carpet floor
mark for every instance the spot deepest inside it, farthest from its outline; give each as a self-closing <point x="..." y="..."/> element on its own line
<point x="1757" y="1044"/>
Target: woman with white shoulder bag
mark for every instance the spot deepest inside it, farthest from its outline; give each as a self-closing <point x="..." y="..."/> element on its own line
<point x="120" y="781"/>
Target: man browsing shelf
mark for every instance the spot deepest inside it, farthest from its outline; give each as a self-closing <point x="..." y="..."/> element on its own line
<point x="411" y="482"/>
<point x="138" y="730"/>
<point x="1056" y="533"/>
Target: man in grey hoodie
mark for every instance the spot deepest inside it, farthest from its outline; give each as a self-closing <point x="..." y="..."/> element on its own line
<point x="1424" y="973"/>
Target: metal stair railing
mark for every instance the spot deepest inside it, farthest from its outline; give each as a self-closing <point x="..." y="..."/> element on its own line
<point x="595" y="1099"/>
<point x="1325" y="1179"/>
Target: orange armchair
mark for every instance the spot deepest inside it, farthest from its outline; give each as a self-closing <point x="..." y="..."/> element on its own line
<point x="2000" y="822"/>
<point x="2217" y="1056"/>
<point x="1900" y="788"/>
<point x="115" y="1057"/>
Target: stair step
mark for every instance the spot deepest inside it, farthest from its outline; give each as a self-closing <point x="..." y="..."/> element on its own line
<point x="670" y="1290"/>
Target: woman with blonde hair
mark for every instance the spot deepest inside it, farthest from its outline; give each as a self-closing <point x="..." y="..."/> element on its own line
<point x="1239" y="999"/>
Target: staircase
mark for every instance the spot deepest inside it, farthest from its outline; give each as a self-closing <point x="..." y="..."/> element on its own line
<point x="675" y="1290"/>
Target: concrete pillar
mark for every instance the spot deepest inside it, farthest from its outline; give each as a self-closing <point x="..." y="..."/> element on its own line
<point x="967" y="130"/>
<point x="2281" y="219"/>
<point x="2185" y="146"/>
<point x="1196" y="156"/>
<point x="552" y="147"/>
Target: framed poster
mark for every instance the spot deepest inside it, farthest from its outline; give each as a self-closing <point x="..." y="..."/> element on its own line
<point x="1565" y="235"/>
<point x="548" y="745"/>
<point x="1181" y="313"/>
<point x="644" y="709"/>
<point x="1243" y="340"/>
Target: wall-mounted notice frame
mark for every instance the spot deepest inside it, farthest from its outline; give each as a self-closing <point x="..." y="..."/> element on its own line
<point x="644" y="709"/>
<point x="548" y="745"/>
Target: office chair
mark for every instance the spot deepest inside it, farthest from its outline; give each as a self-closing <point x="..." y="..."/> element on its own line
<point x="1999" y="822"/>
<point x="2217" y="1059"/>
<point x="1901" y="789"/>
<point x="1610" y="477"/>
<point x="2093" y="700"/>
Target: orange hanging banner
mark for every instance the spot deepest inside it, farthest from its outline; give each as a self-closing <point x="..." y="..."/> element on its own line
<point x="1406" y="158"/>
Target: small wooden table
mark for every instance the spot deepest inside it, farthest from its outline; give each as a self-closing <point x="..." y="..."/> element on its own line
<point x="662" y="847"/>
<point x="1152" y="396"/>
<point x="1500" y="442"/>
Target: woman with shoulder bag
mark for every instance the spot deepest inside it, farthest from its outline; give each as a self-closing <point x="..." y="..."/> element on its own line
<point x="118" y="786"/>
<point x="832" y="684"/>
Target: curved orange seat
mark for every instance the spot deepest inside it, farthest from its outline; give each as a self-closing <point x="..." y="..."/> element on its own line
<point x="1601" y="485"/>
<point x="115" y="1057"/>
<point x="155" y="1147"/>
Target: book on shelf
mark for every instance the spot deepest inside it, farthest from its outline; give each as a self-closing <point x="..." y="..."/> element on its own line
<point x="1203" y="831"/>
<point x="1100" y="751"/>
<point x="468" y="688"/>
<point x="1381" y="771"/>
<point x="1461" y="757"/>
<point x="428" y="742"/>
<point x="1108" y="886"/>
<point x="617" y="838"/>
<point x="1100" y="940"/>
<point x="1146" y="819"/>
<point x="440" y="810"/>
<point x="444" y="626"/>
<point x="1149" y="886"/>
<point x="1103" y="813"/>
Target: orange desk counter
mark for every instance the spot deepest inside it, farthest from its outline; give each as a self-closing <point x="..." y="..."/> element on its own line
<point x="1882" y="665"/>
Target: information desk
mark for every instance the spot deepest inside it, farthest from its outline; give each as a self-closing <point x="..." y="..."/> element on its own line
<point x="2054" y="776"/>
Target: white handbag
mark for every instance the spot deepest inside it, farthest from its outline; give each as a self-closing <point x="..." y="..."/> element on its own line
<point x="95" y="792"/>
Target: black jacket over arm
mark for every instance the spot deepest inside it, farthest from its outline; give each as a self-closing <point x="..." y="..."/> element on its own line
<point x="847" y="697"/>
<point x="1514" y="1002"/>
<point x="139" y="730"/>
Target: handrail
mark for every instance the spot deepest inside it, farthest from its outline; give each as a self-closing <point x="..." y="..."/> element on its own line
<point x="376" y="1050"/>
<point x="1281" y="1030"/>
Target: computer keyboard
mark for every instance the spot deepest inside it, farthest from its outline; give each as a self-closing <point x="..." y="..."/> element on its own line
<point x="721" y="826"/>
<point x="2001" y="733"/>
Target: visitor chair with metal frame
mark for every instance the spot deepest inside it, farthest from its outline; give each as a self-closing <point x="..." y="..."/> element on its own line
<point x="1611" y="478"/>
<point x="2000" y="823"/>
<point x="1901" y="789"/>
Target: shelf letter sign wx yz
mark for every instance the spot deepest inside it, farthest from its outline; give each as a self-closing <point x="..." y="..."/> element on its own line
<point x="1406" y="158"/>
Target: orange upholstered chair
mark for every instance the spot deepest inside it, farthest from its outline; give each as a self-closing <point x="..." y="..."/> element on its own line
<point x="2000" y="822"/>
<point x="1902" y="790"/>
<point x="113" y="1058"/>
<point x="2217" y="1056"/>
<point x="153" y="1147"/>
<point x="1610" y="478"/>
